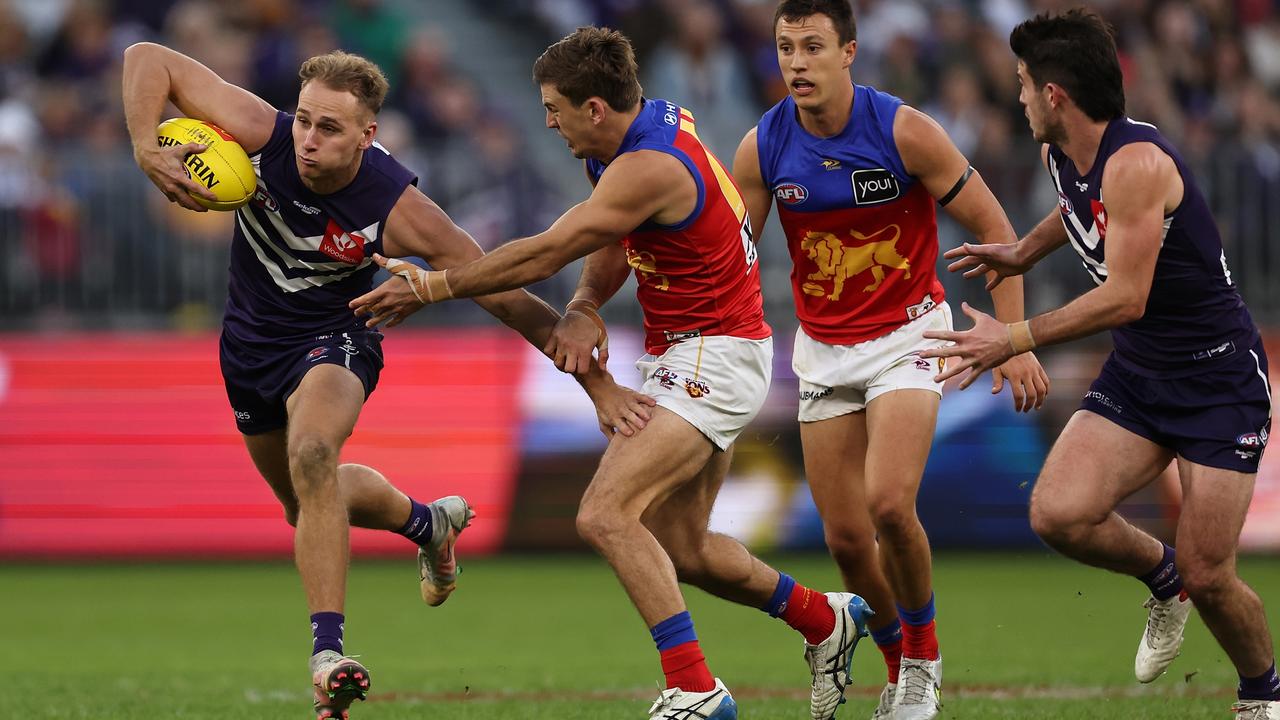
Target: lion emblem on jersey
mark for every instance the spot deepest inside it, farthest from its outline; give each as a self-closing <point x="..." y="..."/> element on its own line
<point x="646" y="268"/>
<point x="837" y="262"/>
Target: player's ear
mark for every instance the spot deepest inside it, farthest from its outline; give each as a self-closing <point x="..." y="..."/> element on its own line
<point x="370" y="132"/>
<point x="596" y="109"/>
<point x="850" y="51"/>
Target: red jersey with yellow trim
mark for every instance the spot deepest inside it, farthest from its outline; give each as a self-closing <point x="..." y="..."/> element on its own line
<point x="698" y="277"/>
<point x="862" y="233"/>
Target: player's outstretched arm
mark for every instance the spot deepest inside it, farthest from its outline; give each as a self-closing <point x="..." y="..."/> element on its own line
<point x="154" y="75"/>
<point x="929" y="155"/>
<point x="1007" y="261"/>
<point x="1145" y="184"/>
<point x="637" y="186"/>
<point x="750" y="181"/>
<point x="418" y="227"/>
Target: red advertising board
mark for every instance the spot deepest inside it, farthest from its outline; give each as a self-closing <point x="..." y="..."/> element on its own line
<point x="124" y="445"/>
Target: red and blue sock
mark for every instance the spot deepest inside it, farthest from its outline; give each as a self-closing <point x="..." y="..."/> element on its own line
<point x="418" y="527"/>
<point x="803" y="609"/>
<point x="1164" y="580"/>
<point x="919" y="632"/>
<point x="1264" y="687"/>
<point x="326" y="632"/>
<point x="889" y="640"/>
<point x="682" y="660"/>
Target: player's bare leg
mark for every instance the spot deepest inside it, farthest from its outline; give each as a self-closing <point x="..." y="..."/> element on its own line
<point x="900" y="426"/>
<point x="1214" y="505"/>
<point x="835" y="452"/>
<point x="634" y="474"/>
<point x="322" y="412"/>
<point x="1094" y="465"/>
<point x="713" y="562"/>
<point x="719" y="564"/>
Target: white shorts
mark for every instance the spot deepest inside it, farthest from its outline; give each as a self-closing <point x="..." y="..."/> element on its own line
<point x="837" y="380"/>
<point x="716" y="383"/>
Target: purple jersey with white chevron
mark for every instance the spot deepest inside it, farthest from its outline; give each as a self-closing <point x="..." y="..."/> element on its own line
<point x="298" y="258"/>
<point x="1194" y="315"/>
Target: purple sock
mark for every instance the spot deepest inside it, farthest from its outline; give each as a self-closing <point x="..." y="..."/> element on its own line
<point x="418" y="527"/>
<point x="1164" y="580"/>
<point x="326" y="632"/>
<point x="1264" y="687"/>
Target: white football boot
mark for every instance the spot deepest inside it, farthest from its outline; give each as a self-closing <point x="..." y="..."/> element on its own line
<point x="437" y="566"/>
<point x="337" y="681"/>
<point x="1257" y="710"/>
<point x="829" y="660"/>
<point x="884" y="709"/>
<point x="919" y="690"/>
<point x="676" y="704"/>
<point x="1162" y="639"/>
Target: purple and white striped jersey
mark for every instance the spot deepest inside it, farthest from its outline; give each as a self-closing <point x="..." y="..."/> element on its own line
<point x="1194" y="314"/>
<point x="298" y="258"/>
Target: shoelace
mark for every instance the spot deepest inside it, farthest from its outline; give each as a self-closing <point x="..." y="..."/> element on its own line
<point x="1158" y="613"/>
<point x="916" y="681"/>
<point x="665" y="700"/>
<point x="884" y="709"/>
<point x="1250" y="710"/>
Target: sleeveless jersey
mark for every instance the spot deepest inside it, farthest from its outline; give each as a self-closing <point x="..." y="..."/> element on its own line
<point x="298" y="258"/>
<point x="862" y="233"/>
<point x="700" y="276"/>
<point x="1194" y="313"/>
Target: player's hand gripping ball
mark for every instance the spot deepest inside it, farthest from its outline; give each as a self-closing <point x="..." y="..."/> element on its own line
<point x="224" y="167"/>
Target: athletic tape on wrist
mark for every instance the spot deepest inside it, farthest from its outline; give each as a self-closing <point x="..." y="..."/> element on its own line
<point x="1020" y="337"/>
<point x="588" y="308"/>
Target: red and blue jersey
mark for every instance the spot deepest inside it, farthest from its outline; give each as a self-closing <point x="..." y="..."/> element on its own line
<point x="862" y="233"/>
<point x="699" y="276"/>
<point x="298" y="258"/>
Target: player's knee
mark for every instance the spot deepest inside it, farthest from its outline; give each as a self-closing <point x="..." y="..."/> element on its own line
<point x="1203" y="579"/>
<point x="894" y="516"/>
<point x="1054" y="525"/>
<point x="850" y="546"/>
<point x="597" y="525"/>
<point x="312" y="461"/>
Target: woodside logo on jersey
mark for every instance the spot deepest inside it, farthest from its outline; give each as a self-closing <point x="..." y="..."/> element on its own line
<point x="871" y="187"/>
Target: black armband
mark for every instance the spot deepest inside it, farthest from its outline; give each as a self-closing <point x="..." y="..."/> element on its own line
<point x="955" y="189"/>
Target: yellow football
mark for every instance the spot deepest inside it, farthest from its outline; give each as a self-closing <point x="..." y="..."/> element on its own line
<point x="224" y="167"/>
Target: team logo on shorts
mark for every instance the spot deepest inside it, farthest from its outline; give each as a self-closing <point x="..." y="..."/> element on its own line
<point x="665" y="377"/>
<point x="317" y="353"/>
<point x="1249" y="445"/>
<point x="696" y="388"/>
<point x="922" y="364"/>
<point x="806" y="395"/>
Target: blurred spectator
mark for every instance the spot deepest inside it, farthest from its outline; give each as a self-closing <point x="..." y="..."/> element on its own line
<point x="699" y="71"/>
<point x="81" y="230"/>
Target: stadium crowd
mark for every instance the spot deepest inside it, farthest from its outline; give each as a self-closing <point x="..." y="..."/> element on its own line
<point x="81" y="230"/>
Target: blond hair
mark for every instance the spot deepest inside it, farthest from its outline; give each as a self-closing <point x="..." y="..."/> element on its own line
<point x="347" y="72"/>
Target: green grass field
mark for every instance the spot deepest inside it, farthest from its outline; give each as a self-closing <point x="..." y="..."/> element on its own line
<point x="1024" y="636"/>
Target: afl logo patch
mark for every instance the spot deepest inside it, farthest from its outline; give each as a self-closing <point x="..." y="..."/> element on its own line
<point x="872" y="187"/>
<point x="791" y="193"/>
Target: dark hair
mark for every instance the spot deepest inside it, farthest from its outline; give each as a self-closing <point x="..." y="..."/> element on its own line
<point x="591" y="62"/>
<point x="840" y="12"/>
<point x="343" y="71"/>
<point x="1076" y="50"/>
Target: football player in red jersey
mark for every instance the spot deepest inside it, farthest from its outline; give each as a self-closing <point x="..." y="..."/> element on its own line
<point x="666" y="208"/>
<point x="856" y="174"/>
